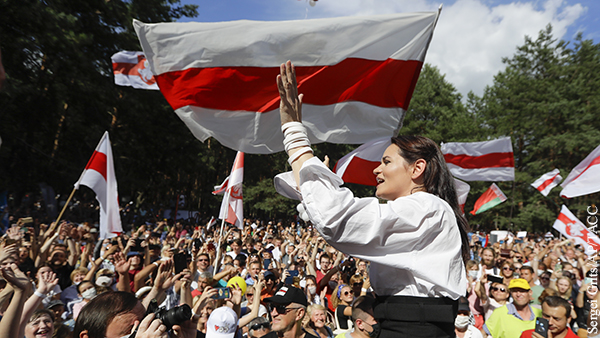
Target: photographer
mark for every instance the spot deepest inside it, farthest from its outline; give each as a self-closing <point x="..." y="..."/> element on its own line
<point x="119" y="314"/>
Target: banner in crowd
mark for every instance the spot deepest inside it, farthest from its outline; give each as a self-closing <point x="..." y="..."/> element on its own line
<point x="232" y="206"/>
<point x="357" y="75"/>
<point x="583" y="179"/>
<point x="99" y="175"/>
<point x="481" y="161"/>
<point x="133" y="70"/>
<point x="572" y="228"/>
<point x="489" y="199"/>
<point x="358" y="165"/>
<point x="547" y="182"/>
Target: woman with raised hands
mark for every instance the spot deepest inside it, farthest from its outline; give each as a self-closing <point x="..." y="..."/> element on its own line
<point x="416" y="242"/>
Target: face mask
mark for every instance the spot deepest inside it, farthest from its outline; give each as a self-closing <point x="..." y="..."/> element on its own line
<point x="473" y="274"/>
<point x="461" y="322"/>
<point x="332" y="285"/>
<point x="375" y="332"/>
<point x="312" y="290"/>
<point x="89" y="293"/>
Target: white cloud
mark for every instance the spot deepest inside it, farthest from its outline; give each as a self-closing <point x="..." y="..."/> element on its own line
<point x="471" y="36"/>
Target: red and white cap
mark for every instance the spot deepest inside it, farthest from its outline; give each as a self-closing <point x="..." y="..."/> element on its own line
<point x="222" y="323"/>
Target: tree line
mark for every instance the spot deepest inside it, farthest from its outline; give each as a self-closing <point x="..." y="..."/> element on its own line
<point x="60" y="97"/>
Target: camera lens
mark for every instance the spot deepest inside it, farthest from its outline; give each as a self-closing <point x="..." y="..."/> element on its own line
<point x="176" y="316"/>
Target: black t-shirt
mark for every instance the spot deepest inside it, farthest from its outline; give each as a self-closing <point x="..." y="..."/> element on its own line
<point x="63" y="273"/>
<point x="342" y="319"/>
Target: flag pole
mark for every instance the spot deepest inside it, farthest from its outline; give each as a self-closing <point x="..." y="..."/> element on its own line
<point x="227" y="194"/>
<point x="65" y="207"/>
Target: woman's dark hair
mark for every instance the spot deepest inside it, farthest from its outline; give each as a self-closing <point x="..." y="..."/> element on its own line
<point x="437" y="179"/>
<point x="100" y="311"/>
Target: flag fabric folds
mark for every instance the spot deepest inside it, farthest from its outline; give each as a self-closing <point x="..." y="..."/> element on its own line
<point x="583" y="179"/>
<point x="572" y="228"/>
<point x="132" y="69"/>
<point x="489" y="199"/>
<point x="481" y="161"/>
<point x="462" y="191"/>
<point x="358" y="165"/>
<point x="357" y="75"/>
<point x="232" y="207"/>
<point x="547" y="182"/>
<point x="99" y="175"/>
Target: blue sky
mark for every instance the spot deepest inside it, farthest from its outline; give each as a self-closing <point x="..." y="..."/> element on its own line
<point x="471" y="37"/>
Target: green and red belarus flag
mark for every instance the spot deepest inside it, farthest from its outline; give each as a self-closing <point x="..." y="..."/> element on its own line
<point x="489" y="199"/>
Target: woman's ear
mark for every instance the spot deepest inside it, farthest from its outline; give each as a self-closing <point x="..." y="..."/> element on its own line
<point x="83" y="334"/>
<point x="418" y="168"/>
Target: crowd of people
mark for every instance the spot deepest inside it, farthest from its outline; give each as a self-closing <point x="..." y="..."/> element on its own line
<point x="61" y="280"/>
<point x="359" y="268"/>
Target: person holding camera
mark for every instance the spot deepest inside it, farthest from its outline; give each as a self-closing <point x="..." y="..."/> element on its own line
<point x="119" y="314"/>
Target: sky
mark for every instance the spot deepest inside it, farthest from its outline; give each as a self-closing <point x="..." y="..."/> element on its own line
<point x="471" y="37"/>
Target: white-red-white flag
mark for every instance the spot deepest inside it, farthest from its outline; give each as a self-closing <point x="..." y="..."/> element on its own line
<point x="572" y="228"/>
<point x="211" y="222"/>
<point x="133" y="70"/>
<point x="481" y="161"/>
<point x="99" y="175"/>
<point x="462" y="192"/>
<point x="357" y="75"/>
<point x="583" y="179"/>
<point x="232" y="207"/>
<point x="358" y="165"/>
<point x="220" y="189"/>
<point x="547" y="182"/>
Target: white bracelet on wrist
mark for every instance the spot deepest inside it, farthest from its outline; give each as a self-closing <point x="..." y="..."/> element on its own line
<point x="39" y="294"/>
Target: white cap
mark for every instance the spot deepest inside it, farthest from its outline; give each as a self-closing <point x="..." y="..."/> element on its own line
<point x="222" y="323"/>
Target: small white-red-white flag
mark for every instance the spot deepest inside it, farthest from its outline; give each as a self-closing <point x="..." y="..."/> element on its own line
<point x="99" y="175"/>
<point x="358" y="165"/>
<point x="481" y="161"/>
<point x="583" y="179"/>
<point x="462" y="191"/>
<point x="547" y="182"/>
<point x="133" y="70"/>
<point x="232" y="207"/>
<point x="572" y="228"/>
<point x="211" y="222"/>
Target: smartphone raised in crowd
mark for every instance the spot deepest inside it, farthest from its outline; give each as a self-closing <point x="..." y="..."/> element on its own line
<point x="222" y="293"/>
<point x="541" y="326"/>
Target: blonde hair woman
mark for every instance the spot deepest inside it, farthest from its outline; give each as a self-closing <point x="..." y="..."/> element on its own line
<point x="341" y="299"/>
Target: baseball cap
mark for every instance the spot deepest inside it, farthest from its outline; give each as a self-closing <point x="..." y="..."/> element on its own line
<point x="54" y="303"/>
<point x="287" y="295"/>
<point x="222" y="323"/>
<point x="519" y="283"/>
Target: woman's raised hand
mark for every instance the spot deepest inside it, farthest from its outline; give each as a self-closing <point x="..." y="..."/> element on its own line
<point x="290" y="106"/>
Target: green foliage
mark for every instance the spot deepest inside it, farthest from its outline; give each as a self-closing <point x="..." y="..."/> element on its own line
<point x="60" y="97"/>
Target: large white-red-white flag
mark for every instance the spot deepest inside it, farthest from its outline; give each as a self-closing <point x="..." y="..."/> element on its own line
<point x="132" y="69"/>
<point x="99" y="175"/>
<point x="547" y="182"/>
<point x="358" y="165"/>
<point x="571" y="227"/>
<point x="357" y="75"/>
<point x="583" y="179"/>
<point x="481" y="161"/>
<point x="232" y="207"/>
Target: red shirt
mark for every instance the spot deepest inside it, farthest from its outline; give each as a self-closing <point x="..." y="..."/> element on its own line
<point x="527" y="334"/>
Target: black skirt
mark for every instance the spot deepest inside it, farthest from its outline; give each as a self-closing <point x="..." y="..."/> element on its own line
<point x="406" y="316"/>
